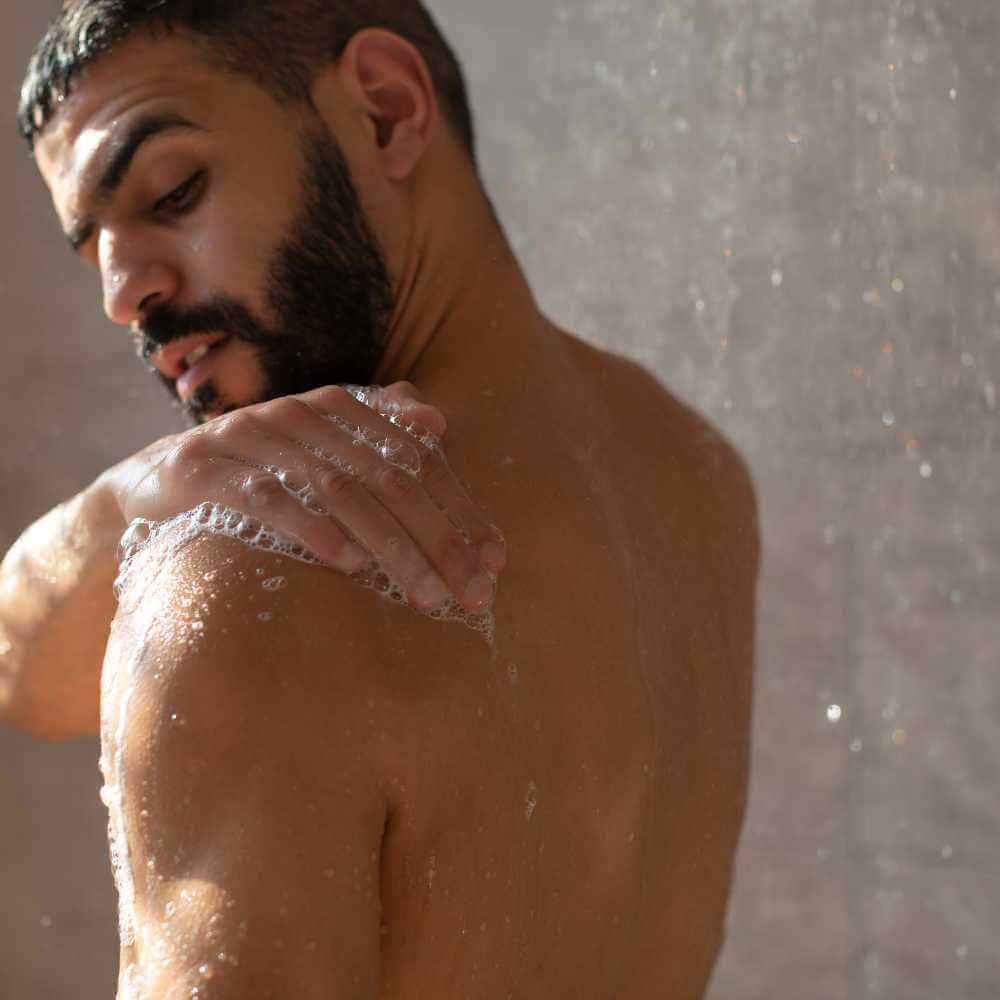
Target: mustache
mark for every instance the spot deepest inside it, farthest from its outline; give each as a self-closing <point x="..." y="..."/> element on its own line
<point x="165" y="324"/>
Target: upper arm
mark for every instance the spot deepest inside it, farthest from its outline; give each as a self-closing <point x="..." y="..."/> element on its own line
<point x="253" y="811"/>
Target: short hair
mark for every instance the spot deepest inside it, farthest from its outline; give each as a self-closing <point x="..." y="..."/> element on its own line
<point x="279" y="44"/>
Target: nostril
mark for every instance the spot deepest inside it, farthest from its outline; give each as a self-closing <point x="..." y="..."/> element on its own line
<point x="148" y="301"/>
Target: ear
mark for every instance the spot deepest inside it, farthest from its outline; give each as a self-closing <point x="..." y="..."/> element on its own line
<point x="387" y="76"/>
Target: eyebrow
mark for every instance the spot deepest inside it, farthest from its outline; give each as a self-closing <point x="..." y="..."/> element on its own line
<point x="116" y="170"/>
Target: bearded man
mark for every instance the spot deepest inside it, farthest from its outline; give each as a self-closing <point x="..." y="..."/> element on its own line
<point x="316" y="791"/>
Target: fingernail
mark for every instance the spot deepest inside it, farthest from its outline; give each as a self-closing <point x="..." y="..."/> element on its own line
<point x="479" y="593"/>
<point x="431" y="591"/>
<point x="493" y="557"/>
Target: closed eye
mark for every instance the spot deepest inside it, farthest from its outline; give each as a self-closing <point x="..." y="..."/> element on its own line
<point x="181" y="198"/>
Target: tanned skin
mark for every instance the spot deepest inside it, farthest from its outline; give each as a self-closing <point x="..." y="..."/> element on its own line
<point x="350" y="799"/>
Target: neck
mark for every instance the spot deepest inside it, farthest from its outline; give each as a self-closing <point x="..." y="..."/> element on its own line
<point x="465" y="313"/>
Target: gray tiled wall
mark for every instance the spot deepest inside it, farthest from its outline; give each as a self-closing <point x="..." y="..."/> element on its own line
<point x="788" y="209"/>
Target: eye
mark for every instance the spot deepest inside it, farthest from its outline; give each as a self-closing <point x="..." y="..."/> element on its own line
<point x="181" y="198"/>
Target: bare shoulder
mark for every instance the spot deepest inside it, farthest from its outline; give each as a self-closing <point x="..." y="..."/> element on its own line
<point x="257" y="628"/>
<point x="242" y="722"/>
<point x="321" y="666"/>
<point x="720" y="480"/>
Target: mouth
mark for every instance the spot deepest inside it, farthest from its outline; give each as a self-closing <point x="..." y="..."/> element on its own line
<point x="196" y="366"/>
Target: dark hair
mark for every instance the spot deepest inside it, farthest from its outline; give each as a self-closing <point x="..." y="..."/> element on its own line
<point x="280" y="44"/>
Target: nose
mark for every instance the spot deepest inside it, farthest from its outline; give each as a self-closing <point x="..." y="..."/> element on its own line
<point x="134" y="276"/>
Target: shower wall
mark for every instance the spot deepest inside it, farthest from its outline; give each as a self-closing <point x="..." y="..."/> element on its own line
<point x="789" y="210"/>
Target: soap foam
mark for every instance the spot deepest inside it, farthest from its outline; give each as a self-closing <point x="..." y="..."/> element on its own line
<point x="216" y="519"/>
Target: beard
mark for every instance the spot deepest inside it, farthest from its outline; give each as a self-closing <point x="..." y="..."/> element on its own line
<point x="327" y="284"/>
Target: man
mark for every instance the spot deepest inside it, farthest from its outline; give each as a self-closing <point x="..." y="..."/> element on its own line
<point x="319" y="793"/>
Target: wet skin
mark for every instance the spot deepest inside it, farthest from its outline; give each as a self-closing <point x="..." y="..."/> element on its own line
<point x="392" y="809"/>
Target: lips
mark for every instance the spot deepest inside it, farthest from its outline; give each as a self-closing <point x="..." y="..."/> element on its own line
<point x="191" y="378"/>
<point x="170" y="360"/>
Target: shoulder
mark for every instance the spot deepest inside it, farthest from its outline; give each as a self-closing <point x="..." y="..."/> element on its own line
<point x="312" y="659"/>
<point x="694" y="454"/>
<point x="227" y="636"/>
<point x="241" y="731"/>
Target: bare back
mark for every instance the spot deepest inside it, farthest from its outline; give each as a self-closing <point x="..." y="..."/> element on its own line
<point x="565" y="808"/>
<point x="571" y="819"/>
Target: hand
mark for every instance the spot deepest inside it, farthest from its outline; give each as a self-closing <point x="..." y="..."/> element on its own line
<point x="347" y="480"/>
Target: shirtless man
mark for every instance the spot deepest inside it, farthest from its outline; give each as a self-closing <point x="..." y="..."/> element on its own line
<point x="345" y="798"/>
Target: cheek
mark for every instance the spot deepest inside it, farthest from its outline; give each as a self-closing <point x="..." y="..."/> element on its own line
<point x="228" y="256"/>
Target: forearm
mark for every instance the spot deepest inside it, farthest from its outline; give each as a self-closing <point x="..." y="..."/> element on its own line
<point x="56" y="605"/>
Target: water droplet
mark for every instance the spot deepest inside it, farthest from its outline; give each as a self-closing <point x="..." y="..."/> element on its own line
<point x="45" y="921"/>
<point x="834" y="713"/>
<point x="275" y="583"/>
<point x="777" y="278"/>
<point x="926" y="470"/>
<point x="889" y="418"/>
<point x="857" y="746"/>
<point x="531" y="800"/>
<point x="265" y="616"/>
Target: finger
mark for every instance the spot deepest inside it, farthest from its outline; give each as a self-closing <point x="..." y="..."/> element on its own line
<point x="268" y="476"/>
<point x="457" y="540"/>
<point x="444" y="488"/>
<point x="451" y="498"/>
<point x="402" y="398"/>
<point x="375" y="410"/>
<point x="260" y="494"/>
<point x="352" y="496"/>
<point x="333" y="480"/>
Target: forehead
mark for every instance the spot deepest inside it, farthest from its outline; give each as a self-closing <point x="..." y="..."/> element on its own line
<point x="140" y="75"/>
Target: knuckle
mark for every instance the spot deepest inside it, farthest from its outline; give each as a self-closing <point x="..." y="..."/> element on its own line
<point x="395" y="484"/>
<point x="405" y="389"/>
<point x="334" y="396"/>
<point x="287" y="409"/>
<point x="189" y="458"/>
<point x="188" y="450"/>
<point x="235" y="424"/>
<point x="334" y="482"/>
<point x="436" y="472"/>
<point x="262" y="489"/>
